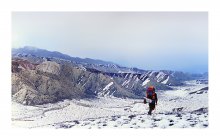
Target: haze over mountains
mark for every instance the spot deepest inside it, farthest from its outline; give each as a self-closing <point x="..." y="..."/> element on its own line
<point x="40" y="76"/>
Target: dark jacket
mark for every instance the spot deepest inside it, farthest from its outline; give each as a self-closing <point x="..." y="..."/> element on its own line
<point x="153" y="98"/>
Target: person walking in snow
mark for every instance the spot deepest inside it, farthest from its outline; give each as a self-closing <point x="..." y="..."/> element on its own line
<point x="152" y="96"/>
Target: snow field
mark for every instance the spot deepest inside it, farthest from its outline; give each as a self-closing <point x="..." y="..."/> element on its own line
<point x="176" y="109"/>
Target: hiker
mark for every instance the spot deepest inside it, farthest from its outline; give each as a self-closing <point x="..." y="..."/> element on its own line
<point x="150" y="94"/>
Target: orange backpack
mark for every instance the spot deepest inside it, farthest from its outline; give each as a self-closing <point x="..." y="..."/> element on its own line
<point x="150" y="94"/>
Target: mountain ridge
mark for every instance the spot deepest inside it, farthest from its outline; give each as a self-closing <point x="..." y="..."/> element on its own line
<point x="29" y="50"/>
<point x="39" y="79"/>
<point x="46" y="53"/>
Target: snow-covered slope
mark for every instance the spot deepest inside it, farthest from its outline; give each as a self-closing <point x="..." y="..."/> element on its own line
<point x="183" y="107"/>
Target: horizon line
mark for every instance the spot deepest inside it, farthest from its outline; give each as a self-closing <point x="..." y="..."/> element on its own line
<point x="34" y="47"/>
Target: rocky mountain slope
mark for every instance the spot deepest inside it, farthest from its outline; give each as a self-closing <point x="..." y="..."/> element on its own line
<point x="50" y="82"/>
<point x="40" y="76"/>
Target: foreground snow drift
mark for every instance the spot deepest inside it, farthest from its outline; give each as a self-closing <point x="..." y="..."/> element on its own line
<point x="183" y="107"/>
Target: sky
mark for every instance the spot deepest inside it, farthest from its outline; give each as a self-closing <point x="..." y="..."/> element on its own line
<point x="146" y="40"/>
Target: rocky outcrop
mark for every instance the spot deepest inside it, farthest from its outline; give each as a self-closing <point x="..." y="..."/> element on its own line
<point x="201" y="91"/>
<point x="49" y="67"/>
<point x="21" y="64"/>
<point x="51" y="82"/>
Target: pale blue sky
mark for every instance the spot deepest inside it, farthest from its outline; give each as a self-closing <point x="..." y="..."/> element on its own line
<point x="147" y="40"/>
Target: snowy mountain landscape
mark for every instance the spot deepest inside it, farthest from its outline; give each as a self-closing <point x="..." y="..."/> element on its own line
<point x="51" y="89"/>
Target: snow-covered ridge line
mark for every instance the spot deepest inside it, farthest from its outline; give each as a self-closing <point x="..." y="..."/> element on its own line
<point x="108" y="86"/>
<point x="166" y="80"/>
<point x="145" y="82"/>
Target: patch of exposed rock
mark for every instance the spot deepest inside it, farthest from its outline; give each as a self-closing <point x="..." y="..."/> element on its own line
<point x="49" y="67"/>
<point x="51" y="82"/>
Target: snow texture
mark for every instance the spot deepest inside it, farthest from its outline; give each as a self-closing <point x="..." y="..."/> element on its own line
<point x="108" y="86"/>
<point x="176" y="109"/>
<point x="165" y="81"/>
<point x="145" y="82"/>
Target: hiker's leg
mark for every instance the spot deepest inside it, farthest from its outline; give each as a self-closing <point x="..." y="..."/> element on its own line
<point x="153" y="106"/>
<point x="149" y="113"/>
<point x="150" y="109"/>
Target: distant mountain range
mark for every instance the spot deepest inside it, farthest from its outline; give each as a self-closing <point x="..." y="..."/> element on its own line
<point x="48" y="54"/>
<point x="40" y="76"/>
